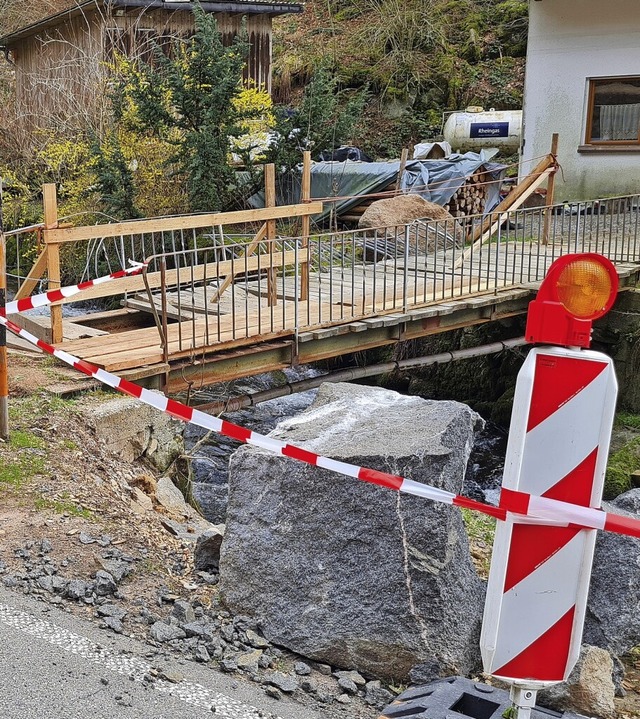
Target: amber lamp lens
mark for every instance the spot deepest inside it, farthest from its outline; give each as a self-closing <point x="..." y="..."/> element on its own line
<point x="584" y="288"/>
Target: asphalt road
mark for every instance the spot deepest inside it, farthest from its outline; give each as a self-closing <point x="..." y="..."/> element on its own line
<point x="56" y="666"/>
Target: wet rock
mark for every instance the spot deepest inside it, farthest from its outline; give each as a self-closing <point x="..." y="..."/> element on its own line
<point x="344" y="572"/>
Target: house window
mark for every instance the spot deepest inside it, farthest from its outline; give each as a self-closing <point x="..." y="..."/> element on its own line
<point x="614" y="111"/>
<point x="116" y="41"/>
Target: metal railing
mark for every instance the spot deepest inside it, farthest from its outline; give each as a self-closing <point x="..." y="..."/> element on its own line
<point x="360" y="274"/>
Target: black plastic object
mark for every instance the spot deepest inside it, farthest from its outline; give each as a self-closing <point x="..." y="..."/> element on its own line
<point x="456" y="698"/>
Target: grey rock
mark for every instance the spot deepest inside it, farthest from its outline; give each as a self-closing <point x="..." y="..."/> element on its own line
<point x="134" y="430"/>
<point x="589" y="690"/>
<point x="114" y="624"/>
<point x="111" y="610"/>
<point x="163" y="632"/>
<point x="104" y="584"/>
<point x="170" y="675"/>
<point x="272" y="692"/>
<point x="255" y="640"/>
<point x="86" y="538"/>
<point x="301" y="669"/>
<point x="202" y="655"/>
<point x="376" y="695"/>
<point x="352" y="676"/>
<point x="343" y="699"/>
<point x="249" y="661"/>
<point x="45" y="546"/>
<point x="228" y="665"/>
<point x="425" y="673"/>
<point x="284" y="682"/>
<point x="117" y="569"/>
<point x="611" y="620"/>
<point x="309" y="685"/>
<point x="183" y="612"/>
<point x="204" y="630"/>
<point x="46" y="583"/>
<point x="347" y="685"/>
<point x="76" y="589"/>
<point x="9" y="581"/>
<point x="206" y="555"/>
<point x="323" y="669"/>
<point x="345" y="572"/>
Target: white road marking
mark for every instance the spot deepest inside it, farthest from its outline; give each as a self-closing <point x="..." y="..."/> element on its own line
<point x="132" y="667"/>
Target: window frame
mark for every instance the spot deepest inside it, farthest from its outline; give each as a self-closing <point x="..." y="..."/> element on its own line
<point x="589" y="142"/>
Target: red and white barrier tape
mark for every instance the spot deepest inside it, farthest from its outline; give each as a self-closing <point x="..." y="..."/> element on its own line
<point x="517" y="505"/>
<point x="47" y="298"/>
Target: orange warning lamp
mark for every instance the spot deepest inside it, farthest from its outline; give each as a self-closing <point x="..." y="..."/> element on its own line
<point x="578" y="289"/>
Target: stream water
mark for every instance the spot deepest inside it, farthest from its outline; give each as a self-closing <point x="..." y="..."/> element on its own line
<point x="210" y="456"/>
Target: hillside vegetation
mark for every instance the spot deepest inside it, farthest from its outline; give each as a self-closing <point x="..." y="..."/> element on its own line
<point x="374" y="73"/>
<point x="416" y="58"/>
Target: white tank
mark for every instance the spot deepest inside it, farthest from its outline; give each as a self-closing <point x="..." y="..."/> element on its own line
<point x="476" y="128"/>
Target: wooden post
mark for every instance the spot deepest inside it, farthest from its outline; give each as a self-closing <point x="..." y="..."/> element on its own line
<point x="403" y="166"/>
<point x="305" y="196"/>
<point x="4" y="370"/>
<point x="551" y="186"/>
<point x="270" y="201"/>
<point x="53" y="256"/>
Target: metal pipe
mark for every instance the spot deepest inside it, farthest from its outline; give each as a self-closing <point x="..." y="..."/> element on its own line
<point x="353" y="373"/>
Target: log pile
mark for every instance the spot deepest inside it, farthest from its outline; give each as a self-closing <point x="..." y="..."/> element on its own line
<point x="470" y="198"/>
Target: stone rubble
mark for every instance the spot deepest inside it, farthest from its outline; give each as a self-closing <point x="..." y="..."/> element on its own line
<point x="210" y="636"/>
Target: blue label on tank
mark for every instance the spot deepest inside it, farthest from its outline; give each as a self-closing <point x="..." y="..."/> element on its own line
<point x="489" y="129"/>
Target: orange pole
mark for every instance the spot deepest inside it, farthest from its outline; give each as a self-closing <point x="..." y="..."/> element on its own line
<point x="4" y="370"/>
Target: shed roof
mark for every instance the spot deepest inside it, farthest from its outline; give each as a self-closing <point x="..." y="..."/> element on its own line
<point x="244" y="7"/>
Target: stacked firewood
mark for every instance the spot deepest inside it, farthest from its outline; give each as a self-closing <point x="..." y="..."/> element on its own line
<point x="470" y="198"/>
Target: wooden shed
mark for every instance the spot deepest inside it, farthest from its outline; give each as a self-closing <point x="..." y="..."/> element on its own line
<point x="60" y="62"/>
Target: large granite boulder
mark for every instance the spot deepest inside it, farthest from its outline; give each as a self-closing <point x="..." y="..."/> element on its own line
<point x="612" y="621"/>
<point x="345" y="572"/>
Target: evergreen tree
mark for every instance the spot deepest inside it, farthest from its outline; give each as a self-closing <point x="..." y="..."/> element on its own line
<point x="186" y="99"/>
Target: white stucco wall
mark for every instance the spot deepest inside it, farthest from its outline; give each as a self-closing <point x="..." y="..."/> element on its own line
<point x="571" y="41"/>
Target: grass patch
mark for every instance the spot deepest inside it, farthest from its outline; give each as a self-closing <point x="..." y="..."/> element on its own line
<point x="480" y="530"/>
<point x="63" y="506"/>
<point x="16" y="473"/>
<point x="628" y="420"/>
<point x="19" y="439"/>
<point x="621" y="465"/>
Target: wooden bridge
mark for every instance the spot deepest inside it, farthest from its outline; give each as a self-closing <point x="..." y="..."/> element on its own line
<point x="215" y="304"/>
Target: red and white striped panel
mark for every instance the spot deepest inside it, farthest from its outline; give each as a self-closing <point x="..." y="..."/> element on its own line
<point x="539" y="578"/>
